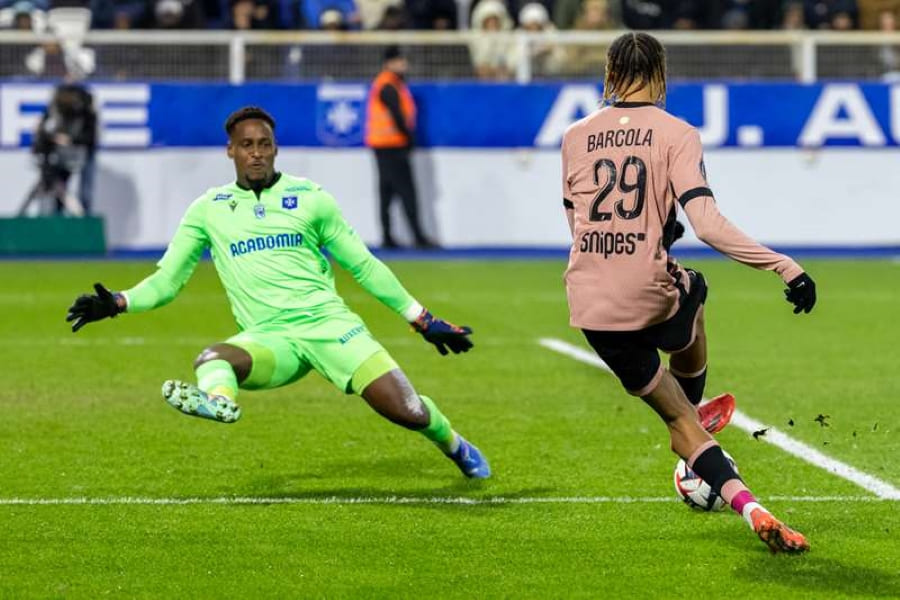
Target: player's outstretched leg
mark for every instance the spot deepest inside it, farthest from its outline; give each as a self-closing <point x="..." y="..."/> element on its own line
<point x="392" y="396"/>
<point x="218" y="369"/>
<point x="704" y="456"/>
<point x="689" y="368"/>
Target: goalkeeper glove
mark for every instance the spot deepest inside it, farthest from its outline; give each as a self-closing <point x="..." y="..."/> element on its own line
<point x="442" y="334"/>
<point x="801" y="293"/>
<point x="88" y="308"/>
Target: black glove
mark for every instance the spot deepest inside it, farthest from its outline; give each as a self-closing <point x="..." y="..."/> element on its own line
<point x="443" y="334"/>
<point x="801" y="293"/>
<point x="670" y="236"/>
<point x="88" y="308"/>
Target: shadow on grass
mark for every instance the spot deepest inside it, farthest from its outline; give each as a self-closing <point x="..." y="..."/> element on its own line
<point x="812" y="574"/>
<point x="402" y="494"/>
<point x="378" y="481"/>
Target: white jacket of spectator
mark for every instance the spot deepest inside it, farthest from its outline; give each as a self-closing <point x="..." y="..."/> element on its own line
<point x="79" y="62"/>
<point x="371" y="11"/>
<point x="547" y="58"/>
<point x="493" y="55"/>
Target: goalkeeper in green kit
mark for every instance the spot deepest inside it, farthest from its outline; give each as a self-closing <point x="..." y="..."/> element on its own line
<point x="265" y="232"/>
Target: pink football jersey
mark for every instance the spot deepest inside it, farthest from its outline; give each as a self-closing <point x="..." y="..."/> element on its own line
<point x="624" y="168"/>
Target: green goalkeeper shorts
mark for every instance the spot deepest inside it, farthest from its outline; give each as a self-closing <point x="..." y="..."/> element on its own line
<point x="336" y="346"/>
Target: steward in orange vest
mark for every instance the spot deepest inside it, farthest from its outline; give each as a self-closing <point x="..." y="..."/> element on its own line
<point x="390" y="131"/>
<point x="390" y="111"/>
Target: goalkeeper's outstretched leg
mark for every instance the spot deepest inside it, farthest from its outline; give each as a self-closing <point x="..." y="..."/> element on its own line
<point x="392" y="396"/>
<point x="219" y="370"/>
<point x="224" y="368"/>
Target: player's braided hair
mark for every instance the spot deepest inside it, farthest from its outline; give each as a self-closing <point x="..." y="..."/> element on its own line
<point x="248" y="112"/>
<point x="634" y="61"/>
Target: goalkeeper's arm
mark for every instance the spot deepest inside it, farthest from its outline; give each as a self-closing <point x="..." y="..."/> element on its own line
<point x="174" y="270"/>
<point x="378" y="280"/>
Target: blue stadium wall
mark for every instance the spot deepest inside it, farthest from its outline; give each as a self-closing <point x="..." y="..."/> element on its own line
<point x="795" y="165"/>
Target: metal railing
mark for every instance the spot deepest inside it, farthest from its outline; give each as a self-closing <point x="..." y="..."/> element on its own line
<point x="238" y="57"/>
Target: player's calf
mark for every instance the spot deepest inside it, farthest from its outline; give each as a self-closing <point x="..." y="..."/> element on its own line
<point x="392" y="396"/>
<point x="692" y="384"/>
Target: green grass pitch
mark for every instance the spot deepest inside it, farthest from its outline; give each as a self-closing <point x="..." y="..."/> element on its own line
<point x="82" y="417"/>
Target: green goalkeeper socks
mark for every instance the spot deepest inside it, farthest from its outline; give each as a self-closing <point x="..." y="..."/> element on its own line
<point x="439" y="430"/>
<point x="217" y="378"/>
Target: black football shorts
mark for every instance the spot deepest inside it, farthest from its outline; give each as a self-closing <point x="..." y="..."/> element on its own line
<point x="633" y="355"/>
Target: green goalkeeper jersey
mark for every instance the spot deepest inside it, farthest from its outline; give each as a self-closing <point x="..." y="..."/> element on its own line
<point x="267" y="251"/>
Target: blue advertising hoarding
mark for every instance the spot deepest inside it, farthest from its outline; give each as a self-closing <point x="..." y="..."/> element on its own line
<point x="137" y="115"/>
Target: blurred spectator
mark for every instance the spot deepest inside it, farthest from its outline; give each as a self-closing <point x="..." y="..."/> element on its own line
<point x="883" y="15"/>
<point x="590" y="59"/>
<point x="793" y="17"/>
<point x="830" y="14"/>
<point x="50" y="60"/>
<point x="332" y="20"/>
<point x="394" y="19"/>
<point x="692" y="14"/>
<point x="372" y="11"/>
<point x="444" y="21"/>
<point x="254" y="14"/>
<point x="565" y="12"/>
<point x="24" y="5"/>
<point x="89" y="170"/>
<point x="22" y="21"/>
<point x="313" y="9"/>
<point x="742" y="14"/>
<point x="594" y="16"/>
<point x="732" y="14"/>
<point x="887" y="55"/>
<point x="47" y="60"/>
<point x="66" y="135"/>
<point x="699" y="14"/>
<point x="546" y="57"/>
<point x="493" y="55"/>
<point x="432" y="14"/>
<point x="289" y="13"/>
<point x="21" y="16"/>
<point x="513" y="7"/>
<point x="880" y="15"/>
<point x="118" y="14"/>
<point x="649" y="14"/>
<point x="177" y="14"/>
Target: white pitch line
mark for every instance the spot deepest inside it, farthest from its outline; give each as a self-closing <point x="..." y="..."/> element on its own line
<point x="879" y="487"/>
<point x="388" y="500"/>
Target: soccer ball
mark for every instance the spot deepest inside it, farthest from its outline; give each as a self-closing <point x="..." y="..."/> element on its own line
<point x="695" y="492"/>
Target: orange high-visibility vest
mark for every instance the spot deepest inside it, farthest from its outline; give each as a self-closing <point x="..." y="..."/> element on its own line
<point x="381" y="131"/>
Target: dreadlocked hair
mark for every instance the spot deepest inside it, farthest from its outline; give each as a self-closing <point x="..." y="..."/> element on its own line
<point x="634" y="61"/>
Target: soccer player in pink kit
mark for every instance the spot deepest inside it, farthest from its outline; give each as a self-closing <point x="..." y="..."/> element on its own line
<point x="624" y="168"/>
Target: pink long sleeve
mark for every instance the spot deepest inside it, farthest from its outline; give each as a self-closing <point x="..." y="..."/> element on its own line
<point x="714" y="229"/>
